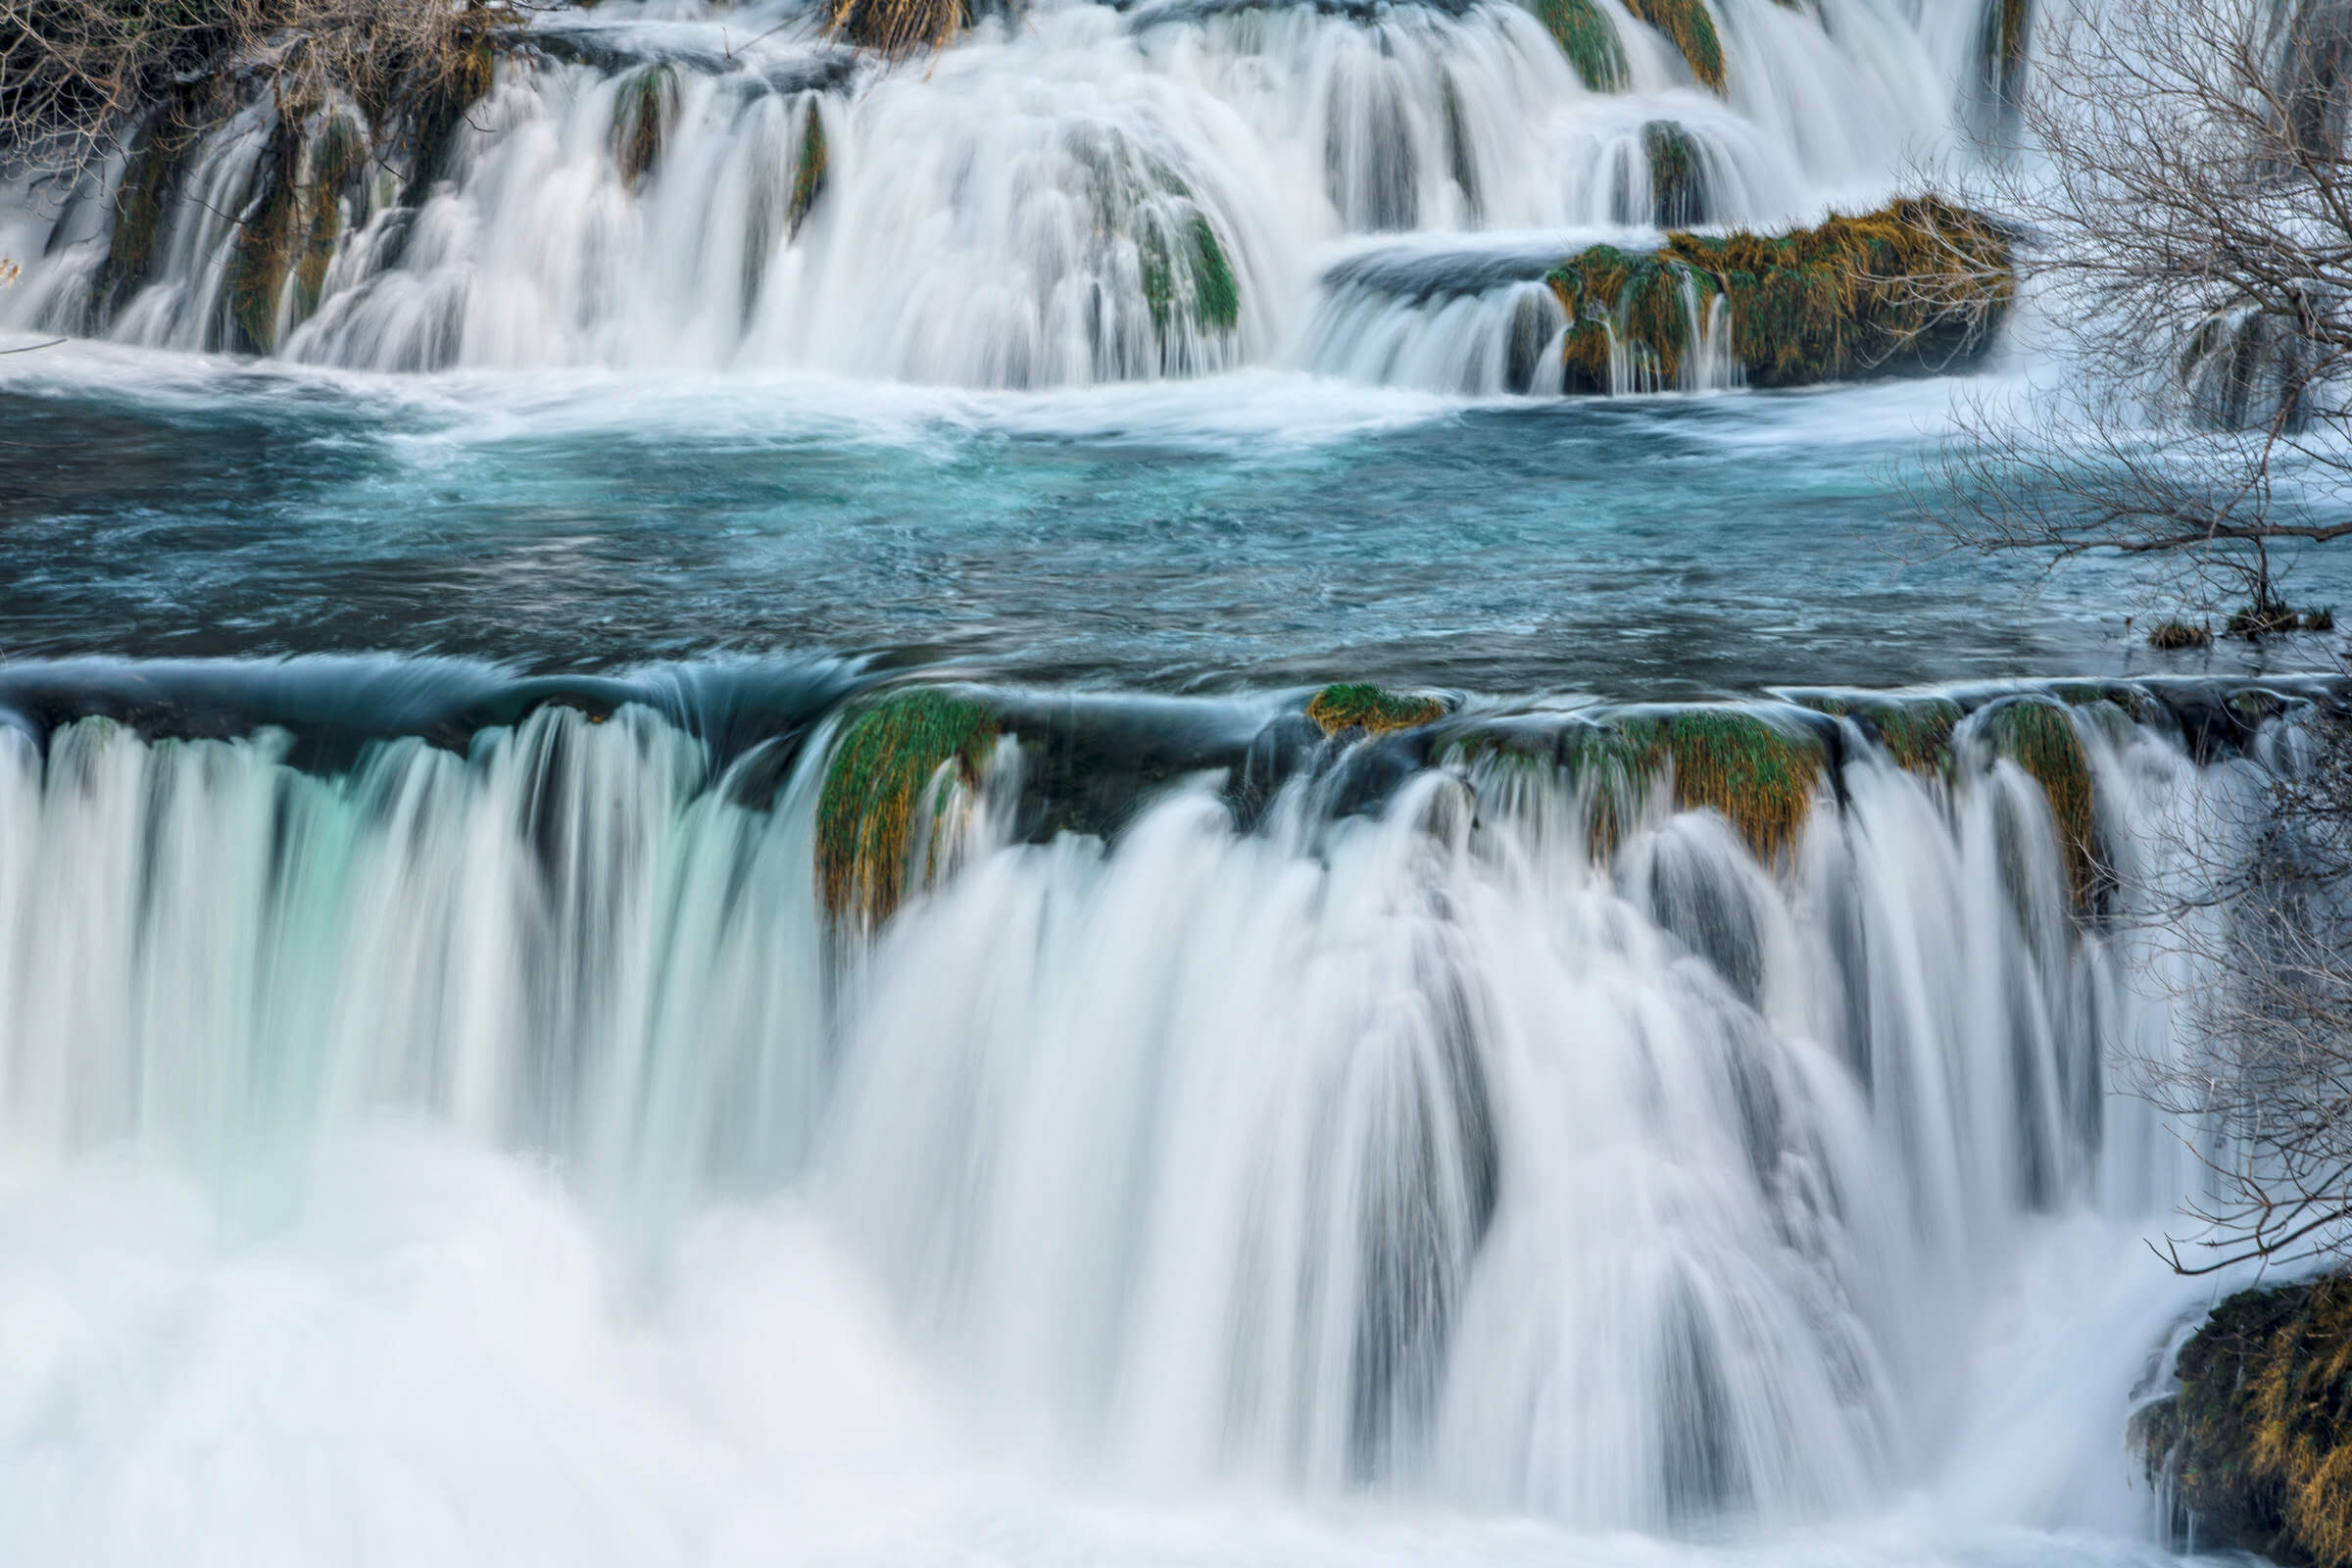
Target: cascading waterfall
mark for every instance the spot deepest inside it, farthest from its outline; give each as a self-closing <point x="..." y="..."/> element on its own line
<point x="1412" y="1136"/>
<point x="1081" y="194"/>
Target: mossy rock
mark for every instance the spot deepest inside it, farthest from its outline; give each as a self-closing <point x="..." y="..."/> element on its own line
<point x="142" y="212"/>
<point x="1757" y="772"/>
<point x="1677" y="175"/>
<point x="1370" y="708"/>
<point x="1691" y="28"/>
<point x="2008" y="35"/>
<point x="1917" y="733"/>
<point x="641" y="120"/>
<point x="809" y="173"/>
<point x="262" y="254"/>
<point x="1187" y="279"/>
<point x="876" y="784"/>
<point x="1917" y="286"/>
<point x="1587" y="40"/>
<point x="2257" y="1442"/>
<point x="338" y="168"/>
<point x="2039" y="737"/>
<point x="898" y="27"/>
<point x="1613" y="764"/>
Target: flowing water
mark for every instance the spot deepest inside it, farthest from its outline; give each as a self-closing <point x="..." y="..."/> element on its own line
<point x="441" y="1119"/>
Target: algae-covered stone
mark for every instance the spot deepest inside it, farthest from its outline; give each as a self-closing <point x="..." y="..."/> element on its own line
<point x="338" y="165"/>
<point x="1677" y="175"/>
<point x="1343" y="708"/>
<point x="2257" y="1443"/>
<point x="1589" y="40"/>
<point x="1691" y="29"/>
<point x="143" y="198"/>
<point x="877" y="782"/>
<point x="649" y="102"/>
<point x="262" y="253"/>
<point x="1919" y="285"/>
<point x="1758" y="773"/>
<point x="2039" y="737"/>
<point x="809" y="173"/>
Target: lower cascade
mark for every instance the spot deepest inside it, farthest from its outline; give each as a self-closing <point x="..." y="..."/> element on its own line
<point x="1636" y="1117"/>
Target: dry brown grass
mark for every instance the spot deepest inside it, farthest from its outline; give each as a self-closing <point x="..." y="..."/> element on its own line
<point x="81" y="79"/>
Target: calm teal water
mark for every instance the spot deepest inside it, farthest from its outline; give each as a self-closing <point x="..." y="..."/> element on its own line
<point x="1252" y="530"/>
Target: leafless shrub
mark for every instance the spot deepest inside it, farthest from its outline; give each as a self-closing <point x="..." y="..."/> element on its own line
<point x="77" y="76"/>
<point x="2179" y="172"/>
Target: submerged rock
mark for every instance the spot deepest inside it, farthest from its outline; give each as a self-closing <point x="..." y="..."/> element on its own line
<point x="1375" y="712"/>
<point x="1917" y="286"/>
<point x="2257" y="1442"/>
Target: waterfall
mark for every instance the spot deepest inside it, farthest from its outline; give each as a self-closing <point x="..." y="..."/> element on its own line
<point x="1414" y="1130"/>
<point x="1074" y="195"/>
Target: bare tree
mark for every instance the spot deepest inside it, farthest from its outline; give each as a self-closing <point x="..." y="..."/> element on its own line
<point x="2178" y="170"/>
<point x="77" y="78"/>
<point x="2263" y="1070"/>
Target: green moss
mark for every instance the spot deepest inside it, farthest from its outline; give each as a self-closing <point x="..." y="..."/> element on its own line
<point x="1755" y="772"/>
<point x="1915" y="287"/>
<point x="338" y="165"/>
<point x="1614" y="765"/>
<point x="808" y="177"/>
<point x="1587" y="40"/>
<point x="1677" y="175"/>
<point x="263" y="252"/>
<point x="2258" y="1439"/>
<point x="875" y="785"/>
<point x="1375" y="712"/>
<point x="640" y="120"/>
<point x="1691" y="29"/>
<point x="142" y="208"/>
<point x="1918" y="732"/>
<point x="1187" y="280"/>
<point x="2039" y="737"/>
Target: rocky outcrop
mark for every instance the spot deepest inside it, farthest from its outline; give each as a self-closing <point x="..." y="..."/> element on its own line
<point x="2255" y="1447"/>
<point x="1920" y="285"/>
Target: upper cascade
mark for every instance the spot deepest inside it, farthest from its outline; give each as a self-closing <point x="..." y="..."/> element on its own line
<point x="1073" y="195"/>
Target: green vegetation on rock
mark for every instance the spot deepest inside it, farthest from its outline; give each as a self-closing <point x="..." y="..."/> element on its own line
<point x="875" y="786"/>
<point x="808" y="176"/>
<point x="1587" y="40"/>
<point x="1677" y="176"/>
<point x="338" y="165"/>
<point x="1691" y="29"/>
<point x="2039" y="737"/>
<point x="2258" y="1439"/>
<point x="1917" y="285"/>
<point x="1187" y="278"/>
<point x="1754" y="771"/>
<point x="1375" y="712"/>
<point x="262" y="253"/>
<point x="641" y="120"/>
<point x="142" y="206"/>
